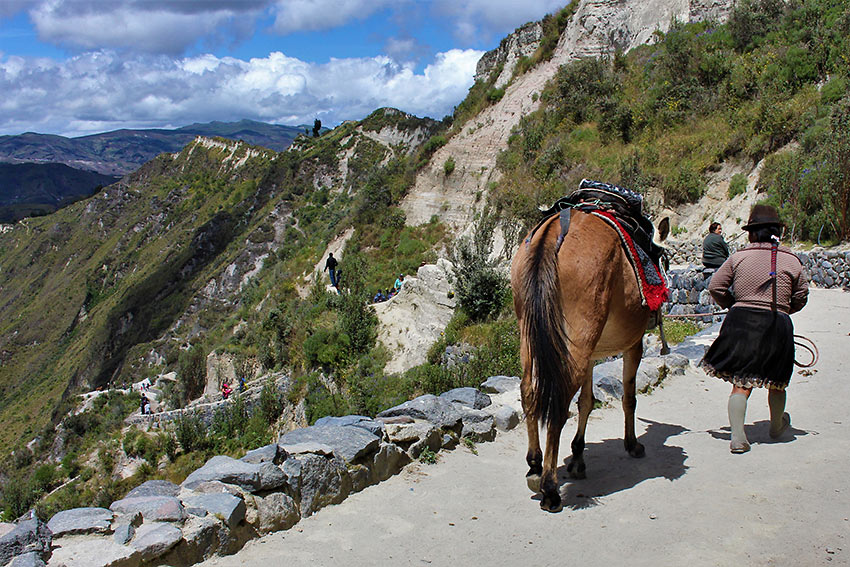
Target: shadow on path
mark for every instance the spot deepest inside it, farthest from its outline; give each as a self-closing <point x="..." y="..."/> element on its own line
<point x="759" y="433"/>
<point x="610" y="469"/>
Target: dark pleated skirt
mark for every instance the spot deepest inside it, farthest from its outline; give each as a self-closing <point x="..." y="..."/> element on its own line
<point x="755" y="348"/>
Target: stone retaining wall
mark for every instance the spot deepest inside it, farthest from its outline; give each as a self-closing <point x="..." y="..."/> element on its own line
<point x="825" y="268"/>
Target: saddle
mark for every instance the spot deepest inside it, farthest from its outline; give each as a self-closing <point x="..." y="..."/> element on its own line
<point x="620" y="208"/>
<point x="623" y="204"/>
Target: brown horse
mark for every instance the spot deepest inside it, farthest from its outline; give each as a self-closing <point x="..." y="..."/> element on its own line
<point x="575" y="304"/>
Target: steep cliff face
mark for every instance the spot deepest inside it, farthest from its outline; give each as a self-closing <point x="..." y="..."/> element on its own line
<point x="598" y="27"/>
<point x="522" y="43"/>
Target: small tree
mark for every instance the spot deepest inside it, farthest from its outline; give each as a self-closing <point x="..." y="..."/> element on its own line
<point x="317" y="126"/>
<point x="480" y="286"/>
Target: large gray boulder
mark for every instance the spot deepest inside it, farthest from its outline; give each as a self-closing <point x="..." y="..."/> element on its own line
<point x="438" y="411"/>
<point x="505" y="418"/>
<point x="348" y="442"/>
<point x="387" y="461"/>
<point x="270" y="453"/>
<point x="154" y="488"/>
<point x="250" y="476"/>
<point x="500" y="384"/>
<point x="367" y="423"/>
<point x="93" y="551"/>
<point x="30" y="559"/>
<point x="152" y="508"/>
<point x="29" y="535"/>
<point x="228" y="507"/>
<point x="202" y="537"/>
<point x="155" y="539"/>
<point x="479" y="425"/>
<point x="276" y="511"/>
<point x="324" y="481"/>
<point x="467" y="397"/>
<point x="80" y="521"/>
<point x="227" y="470"/>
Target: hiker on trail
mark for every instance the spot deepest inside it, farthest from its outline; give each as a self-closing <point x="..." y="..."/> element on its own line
<point x="379" y="297"/>
<point x="226" y="390"/>
<point x="144" y="405"/>
<point x="761" y="284"/>
<point x="330" y="266"/>
<point x="714" y="248"/>
<point x="399" y="283"/>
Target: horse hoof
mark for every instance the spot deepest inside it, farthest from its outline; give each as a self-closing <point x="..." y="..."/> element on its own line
<point x="533" y="482"/>
<point x="638" y="452"/>
<point x="577" y="470"/>
<point x="551" y="503"/>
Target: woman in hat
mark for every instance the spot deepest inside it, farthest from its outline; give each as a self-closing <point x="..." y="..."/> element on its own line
<point x="762" y="284"/>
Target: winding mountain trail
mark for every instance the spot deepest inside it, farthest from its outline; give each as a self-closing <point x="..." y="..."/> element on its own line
<point x="689" y="502"/>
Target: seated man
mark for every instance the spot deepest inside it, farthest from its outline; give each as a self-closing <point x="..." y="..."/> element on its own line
<point x="714" y="248"/>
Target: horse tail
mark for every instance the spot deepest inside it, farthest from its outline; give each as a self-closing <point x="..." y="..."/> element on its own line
<point x="544" y="327"/>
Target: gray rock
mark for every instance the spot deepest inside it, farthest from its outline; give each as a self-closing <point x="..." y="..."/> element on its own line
<point x="395" y="420"/>
<point x="388" y="460"/>
<point x="93" y="551"/>
<point x="607" y="387"/>
<point x="80" y="521"/>
<point x="271" y="453"/>
<point x="348" y="442"/>
<point x="202" y="537"/>
<point x="308" y="447"/>
<point x="227" y="470"/>
<point x="291" y="469"/>
<point x="500" y="384"/>
<point x="360" y="477"/>
<point x="440" y="412"/>
<point x="152" y="508"/>
<point x="155" y="539"/>
<point x="367" y="423"/>
<point x="276" y="511"/>
<point x="467" y="397"/>
<point x="271" y="477"/>
<point x="479" y="426"/>
<point x="404" y="434"/>
<point x="6" y="527"/>
<point x="450" y="440"/>
<point x="229" y="508"/>
<point x="124" y="533"/>
<point x="154" y="488"/>
<point x="324" y="481"/>
<point x="29" y="535"/>
<point x="505" y="418"/>
<point x="31" y="559"/>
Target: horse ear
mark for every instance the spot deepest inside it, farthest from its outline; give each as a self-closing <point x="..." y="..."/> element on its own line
<point x="663" y="229"/>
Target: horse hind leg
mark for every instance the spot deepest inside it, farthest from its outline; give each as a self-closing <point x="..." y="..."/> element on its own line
<point x="549" y="488"/>
<point x="576" y="466"/>
<point x="631" y="360"/>
<point x="534" y="456"/>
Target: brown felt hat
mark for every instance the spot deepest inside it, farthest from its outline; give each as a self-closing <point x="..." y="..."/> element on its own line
<point x="762" y="215"/>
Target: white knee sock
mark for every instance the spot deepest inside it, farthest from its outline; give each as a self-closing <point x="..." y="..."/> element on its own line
<point x="737" y="413"/>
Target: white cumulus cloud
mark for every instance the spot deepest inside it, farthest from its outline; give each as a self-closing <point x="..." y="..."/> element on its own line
<point x="100" y="90"/>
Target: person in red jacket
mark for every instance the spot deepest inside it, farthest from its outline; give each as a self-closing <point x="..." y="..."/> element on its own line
<point x="761" y="285"/>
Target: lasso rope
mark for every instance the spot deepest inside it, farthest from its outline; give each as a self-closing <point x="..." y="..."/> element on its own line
<point x="811" y="347"/>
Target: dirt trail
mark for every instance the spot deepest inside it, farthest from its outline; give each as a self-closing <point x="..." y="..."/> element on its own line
<point x="689" y="502"/>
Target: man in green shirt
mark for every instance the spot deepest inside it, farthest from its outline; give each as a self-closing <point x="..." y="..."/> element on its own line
<point x="714" y="248"/>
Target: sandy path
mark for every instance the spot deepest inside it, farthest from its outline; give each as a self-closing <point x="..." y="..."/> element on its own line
<point x="689" y="502"/>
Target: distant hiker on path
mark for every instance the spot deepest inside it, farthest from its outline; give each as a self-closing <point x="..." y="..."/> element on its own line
<point x="761" y="284"/>
<point x="714" y="248"/>
<point x="399" y="283"/>
<point x="330" y="266"/>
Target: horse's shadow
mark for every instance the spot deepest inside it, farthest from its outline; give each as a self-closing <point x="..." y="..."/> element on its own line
<point x="611" y="469"/>
<point x="759" y="433"/>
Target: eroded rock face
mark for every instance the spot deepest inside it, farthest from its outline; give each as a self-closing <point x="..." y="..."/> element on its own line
<point x="410" y="322"/>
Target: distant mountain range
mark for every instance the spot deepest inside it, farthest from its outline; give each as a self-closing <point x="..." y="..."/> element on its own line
<point x="121" y="151"/>
<point x="32" y="189"/>
<point x="40" y="173"/>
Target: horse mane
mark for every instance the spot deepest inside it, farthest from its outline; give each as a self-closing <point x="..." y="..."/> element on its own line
<point x="545" y="329"/>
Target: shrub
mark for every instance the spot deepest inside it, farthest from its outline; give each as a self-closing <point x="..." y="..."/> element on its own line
<point x="190" y="432"/>
<point x="271" y="402"/>
<point x="479" y="285"/>
<point x="449" y="165"/>
<point x="737" y="185"/>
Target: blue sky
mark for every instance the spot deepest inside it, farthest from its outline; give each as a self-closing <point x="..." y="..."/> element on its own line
<point x="75" y="67"/>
